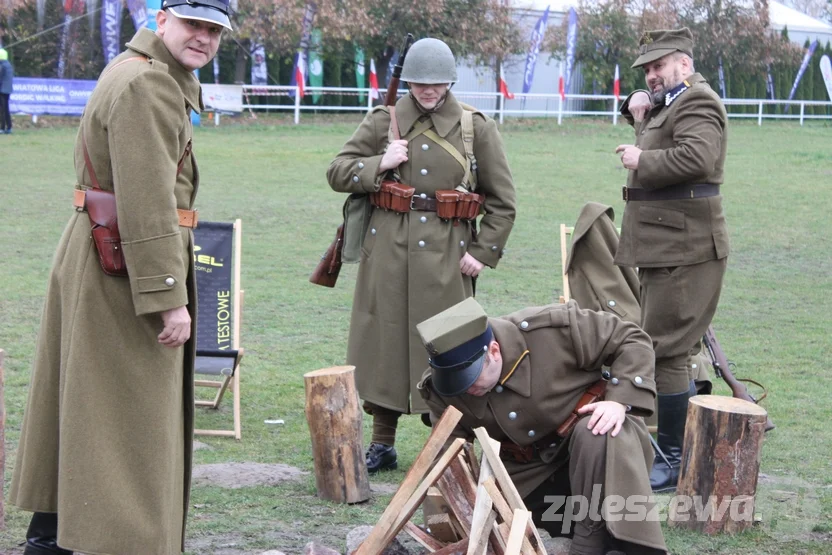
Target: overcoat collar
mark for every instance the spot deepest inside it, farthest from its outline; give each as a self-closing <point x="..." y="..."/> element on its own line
<point x="589" y="214"/>
<point x="515" y="357"/>
<point x="444" y="119"/>
<point x="148" y="43"/>
<point x="517" y="367"/>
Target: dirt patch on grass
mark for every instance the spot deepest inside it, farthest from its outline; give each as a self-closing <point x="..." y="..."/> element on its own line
<point x="243" y="475"/>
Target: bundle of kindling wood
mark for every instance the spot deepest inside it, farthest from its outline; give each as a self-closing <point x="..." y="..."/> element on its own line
<point x="471" y="507"/>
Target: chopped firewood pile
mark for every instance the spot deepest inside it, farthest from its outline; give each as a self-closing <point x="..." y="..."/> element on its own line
<point x="471" y="507"/>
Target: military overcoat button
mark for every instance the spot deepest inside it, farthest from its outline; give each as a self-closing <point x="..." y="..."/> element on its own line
<point x="424" y="172"/>
<point x="614" y="381"/>
<point x="524" y="325"/>
<point x="638" y="380"/>
<point x="694" y="366"/>
<point x="611" y="303"/>
<point x="498" y="389"/>
<point x="423" y="195"/>
<point x="423" y="219"/>
<point x="170" y="282"/>
<point x="355" y="179"/>
<point x="425" y="147"/>
<point x="373" y="231"/>
<point x="462" y="243"/>
<point x="531" y="433"/>
<point x="512" y="415"/>
<point x="605" y="374"/>
<point x="361" y="165"/>
<point x="494" y="248"/>
<point x="421" y="243"/>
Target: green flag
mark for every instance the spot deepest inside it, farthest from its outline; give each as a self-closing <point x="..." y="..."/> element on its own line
<point x="316" y="66"/>
<point x="359" y="73"/>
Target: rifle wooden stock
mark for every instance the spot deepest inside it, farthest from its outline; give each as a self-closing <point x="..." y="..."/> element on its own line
<point x="722" y="369"/>
<point x="326" y="272"/>
<point x="393" y="84"/>
<point x="592" y="395"/>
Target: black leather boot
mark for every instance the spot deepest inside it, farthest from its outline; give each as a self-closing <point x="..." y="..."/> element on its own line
<point x="381" y="457"/>
<point x="41" y="537"/>
<point x="44" y="546"/>
<point x="673" y="410"/>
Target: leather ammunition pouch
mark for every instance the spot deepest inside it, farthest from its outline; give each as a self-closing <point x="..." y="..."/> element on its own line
<point x="459" y="205"/>
<point x="393" y="195"/>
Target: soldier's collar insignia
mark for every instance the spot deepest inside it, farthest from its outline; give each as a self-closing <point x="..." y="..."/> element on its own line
<point x="674" y="93"/>
<point x="646" y="38"/>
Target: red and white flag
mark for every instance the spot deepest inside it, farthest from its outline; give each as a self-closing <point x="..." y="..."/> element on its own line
<point x="300" y="74"/>
<point x="616" y="85"/>
<point x="373" y="81"/>
<point x="561" y="88"/>
<point x="504" y="86"/>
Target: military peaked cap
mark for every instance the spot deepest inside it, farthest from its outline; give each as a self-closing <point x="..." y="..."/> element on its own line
<point x="457" y="340"/>
<point x="657" y="44"/>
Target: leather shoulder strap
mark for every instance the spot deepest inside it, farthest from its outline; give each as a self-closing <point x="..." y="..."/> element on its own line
<point x="393" y="132"/>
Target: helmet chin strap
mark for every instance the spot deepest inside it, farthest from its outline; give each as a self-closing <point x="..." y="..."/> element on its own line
<point x="439" y="103"/>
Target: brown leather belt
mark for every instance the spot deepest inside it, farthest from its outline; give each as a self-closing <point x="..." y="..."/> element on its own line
<point x="187" y="218"/>
<point x="674" y="192"/>
<point x="527" y="454"/>
<point x="423" y="204"/>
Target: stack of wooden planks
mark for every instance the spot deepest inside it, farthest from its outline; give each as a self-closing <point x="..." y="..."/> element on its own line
<point x="471" y="507"/>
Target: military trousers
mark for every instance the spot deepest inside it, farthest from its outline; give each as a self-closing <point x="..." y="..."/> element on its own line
<point x="677" y="306"/>
<point x="581" y="472"/>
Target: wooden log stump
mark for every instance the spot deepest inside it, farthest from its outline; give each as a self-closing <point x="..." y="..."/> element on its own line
<point x="720" y="465"/>
<point x="334" y="418"/>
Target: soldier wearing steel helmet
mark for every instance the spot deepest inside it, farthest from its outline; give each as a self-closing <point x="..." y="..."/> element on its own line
<point x="104" y="459"/>
<point x="415" y="263"/>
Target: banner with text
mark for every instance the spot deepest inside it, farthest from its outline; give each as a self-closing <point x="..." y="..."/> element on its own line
<point x="57" y="97"/>
<point x="571" y="47"/>
<point x="213" y="243"/>
<point x="223" y="98"/>
<point x="534" y="50"/>
<point x="153" y="6"/>
<point x="138" y="13"/>
<point x="111" y="29"/>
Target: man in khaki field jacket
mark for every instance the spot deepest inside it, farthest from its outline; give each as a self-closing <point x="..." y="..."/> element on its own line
<point x="673" y="228"/>
<point x="520" y="377"/>
<point x="104" y="459"/>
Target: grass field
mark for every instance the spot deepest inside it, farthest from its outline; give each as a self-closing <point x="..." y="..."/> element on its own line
<point x="774" y="319"/>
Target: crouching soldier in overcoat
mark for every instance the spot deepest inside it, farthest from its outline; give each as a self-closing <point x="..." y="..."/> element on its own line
<point x="521" y="377"/>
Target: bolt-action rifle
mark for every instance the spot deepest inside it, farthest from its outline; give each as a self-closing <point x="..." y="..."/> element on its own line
<point x="326" y="272"/>
<point x="722" y="368"/>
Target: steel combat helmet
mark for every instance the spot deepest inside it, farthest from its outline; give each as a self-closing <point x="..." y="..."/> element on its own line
<point x="429" y="62"/>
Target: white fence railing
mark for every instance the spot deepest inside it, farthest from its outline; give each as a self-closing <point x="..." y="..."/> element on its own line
<point x="494" y="104"/>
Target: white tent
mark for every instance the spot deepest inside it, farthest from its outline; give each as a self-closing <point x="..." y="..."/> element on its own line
<point x="800" y="25"/>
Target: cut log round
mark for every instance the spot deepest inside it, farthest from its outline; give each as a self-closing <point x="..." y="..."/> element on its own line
<point x="334" y="418"/>
<point x="720" y="465"/>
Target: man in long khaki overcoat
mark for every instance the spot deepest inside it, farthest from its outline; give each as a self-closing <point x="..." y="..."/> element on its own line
<point x="520" y="377"/>
<point x="674" y="227"/>
<point x="416" y="264"/>
<point x="104" y="459"/>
